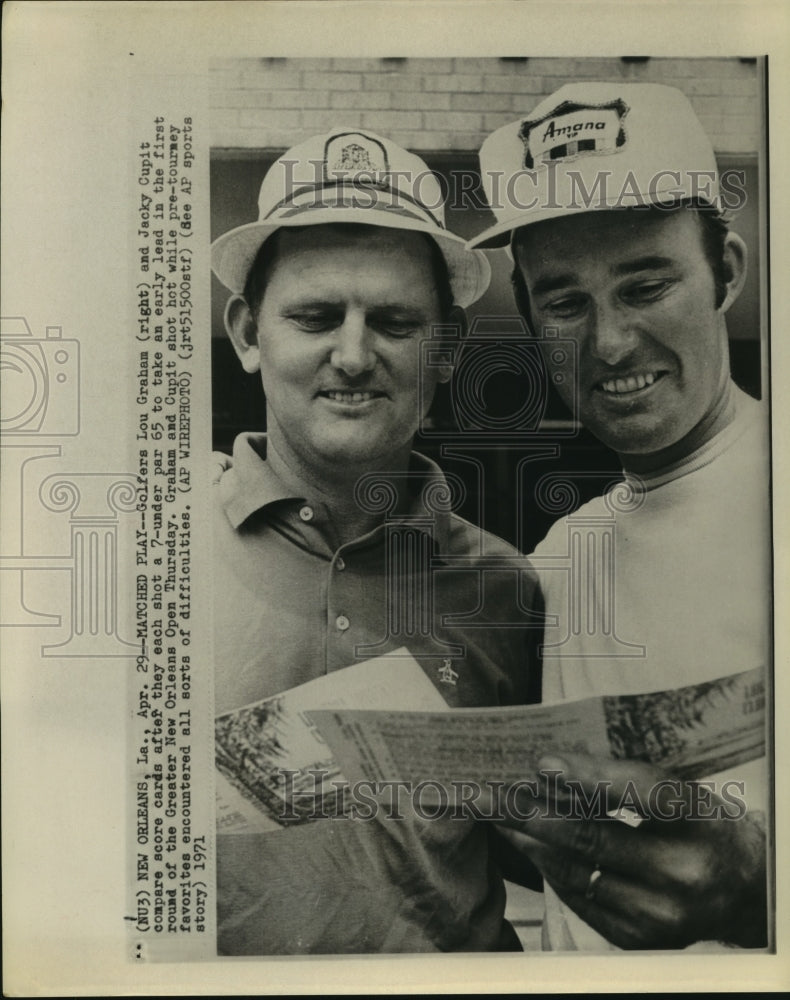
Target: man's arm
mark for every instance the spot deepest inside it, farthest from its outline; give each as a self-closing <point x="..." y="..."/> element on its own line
<point x="685" y="873"/>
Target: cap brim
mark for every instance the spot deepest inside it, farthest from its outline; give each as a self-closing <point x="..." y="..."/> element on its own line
<point x="233" y="253"/>
<point x="500" y="235"/>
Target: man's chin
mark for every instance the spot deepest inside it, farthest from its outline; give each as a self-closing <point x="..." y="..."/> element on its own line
<point x="378" y="453"/>
<point x="632" y="436"/>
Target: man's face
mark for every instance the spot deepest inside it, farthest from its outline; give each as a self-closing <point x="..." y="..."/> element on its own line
<point x="636" y="293"/>
<point x="339" y="334"/>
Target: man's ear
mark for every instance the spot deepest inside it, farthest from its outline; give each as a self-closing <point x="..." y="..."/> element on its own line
<point x="521" y="295"/>
<point x="242" y="329"/>
<point x="456" y="319"/>
<point x="735" y="255"/>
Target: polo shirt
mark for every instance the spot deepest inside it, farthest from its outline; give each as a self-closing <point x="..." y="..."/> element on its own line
<point x="291" y="605"/>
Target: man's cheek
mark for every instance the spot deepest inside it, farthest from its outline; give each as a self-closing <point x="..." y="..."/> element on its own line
<point x="564" y="379"/>
<point x="428" y="391"/>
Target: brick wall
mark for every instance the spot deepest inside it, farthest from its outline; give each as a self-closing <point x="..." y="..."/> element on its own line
<point x="436" y="104"/>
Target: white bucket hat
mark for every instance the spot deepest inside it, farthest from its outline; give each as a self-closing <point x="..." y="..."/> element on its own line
<point x="356" y="176"/>
<point x="592" y="146"/>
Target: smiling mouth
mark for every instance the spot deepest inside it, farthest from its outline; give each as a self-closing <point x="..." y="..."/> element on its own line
<point x="341" y="396"/>
<point x="630" y="384"/>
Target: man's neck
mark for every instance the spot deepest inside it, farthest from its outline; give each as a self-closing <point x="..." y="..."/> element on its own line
<point x="336" y="487"/>
<point x="719" y="416"/>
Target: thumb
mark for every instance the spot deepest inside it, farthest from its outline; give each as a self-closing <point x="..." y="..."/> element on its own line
<point x="626" y="784"/>
<point x="632" y="786"/>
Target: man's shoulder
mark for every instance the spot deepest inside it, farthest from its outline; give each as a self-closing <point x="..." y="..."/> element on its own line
<point x="555" y="538"/>
<point x="461" y="537"/>
<point x="248" y="447"/>
<point x="466" y="538"/>
<point x="242" y="482"/>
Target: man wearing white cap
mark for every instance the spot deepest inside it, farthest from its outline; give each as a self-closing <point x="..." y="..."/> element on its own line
<point x="608" y="197"/>
<point x="336" y="289"/>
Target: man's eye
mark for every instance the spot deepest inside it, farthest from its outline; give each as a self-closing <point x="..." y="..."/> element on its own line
<point x="567" y="307"/>
<point x="394" y="324"/>
<point x="314" y="322"/>
<point x="397" y="330"/>
<point x="648" y="291"/>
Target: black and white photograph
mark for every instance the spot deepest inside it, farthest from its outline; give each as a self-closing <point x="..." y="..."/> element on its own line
<point x="593" y="396"/>
<point x="393" y="541"/>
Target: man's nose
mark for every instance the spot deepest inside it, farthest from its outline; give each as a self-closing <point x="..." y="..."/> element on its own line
<point x="612" y="334"/>
<point x="353" y="351"/>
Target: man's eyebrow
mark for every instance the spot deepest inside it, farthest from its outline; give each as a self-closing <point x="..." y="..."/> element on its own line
<point x="309" y="301"/>
<point x="544" y="285"/>
<point x="378" y="310"/>
<point x="396" y="309"/>
<point x="651" y="262"/>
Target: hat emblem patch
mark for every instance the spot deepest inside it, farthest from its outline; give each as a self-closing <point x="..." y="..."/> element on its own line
<point x="354" y="156"/>
<point x="573" y="130"/>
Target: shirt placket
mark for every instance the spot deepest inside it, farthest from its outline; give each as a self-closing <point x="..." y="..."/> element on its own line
<point x="346" y="626"/>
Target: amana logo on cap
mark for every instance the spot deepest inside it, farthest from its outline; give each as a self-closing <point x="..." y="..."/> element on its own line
<point x="351" y="154"/>
<point x="573" y="129"/>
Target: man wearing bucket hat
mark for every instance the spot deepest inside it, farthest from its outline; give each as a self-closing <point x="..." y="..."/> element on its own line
<point x="336" y="289"/>
<point x="608" y="197"/>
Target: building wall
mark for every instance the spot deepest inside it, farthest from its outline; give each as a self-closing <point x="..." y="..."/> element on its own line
<point x="453" y="103"/>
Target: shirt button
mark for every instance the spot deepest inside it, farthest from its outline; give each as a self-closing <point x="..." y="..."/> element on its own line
<point x="306" y="513"/>
<point x="340" y="564"/>
<point x="342" y="622"/>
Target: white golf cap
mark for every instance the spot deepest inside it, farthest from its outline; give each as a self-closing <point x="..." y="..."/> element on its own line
<point x="350" y="175"/>
<point x="592" y="146"/>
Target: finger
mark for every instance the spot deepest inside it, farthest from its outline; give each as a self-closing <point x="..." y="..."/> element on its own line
<point x="627" y="914"/>
<point x="593" y="772"/>
<point x="555" y="791"/>
<point x="603" y="839"/>
<point x="630" y="929"/>
<point x="588" y="783"/>
<point x="521" y="841"/>
<point x="553" y="796"/>
<point x="646" y="858"/>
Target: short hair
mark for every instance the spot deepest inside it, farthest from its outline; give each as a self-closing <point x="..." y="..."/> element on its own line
<point x="714" y="228"/>
<point x="262" y="267"/>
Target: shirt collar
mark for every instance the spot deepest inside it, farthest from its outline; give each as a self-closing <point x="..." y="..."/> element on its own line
<point x="247" y="484"/>
<point x="747" y="410"/>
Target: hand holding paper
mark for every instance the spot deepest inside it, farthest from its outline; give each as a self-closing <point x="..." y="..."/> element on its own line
<point x="694" y="869"/>
<point x="678" y="864"/>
